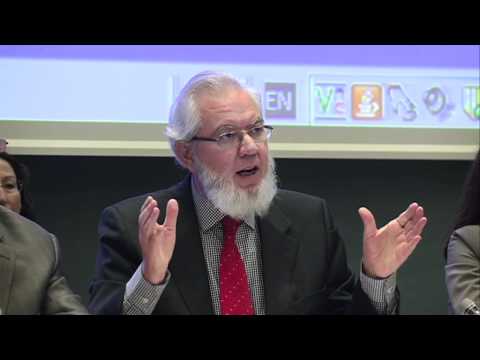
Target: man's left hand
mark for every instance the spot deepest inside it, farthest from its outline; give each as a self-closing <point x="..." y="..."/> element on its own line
<point x="386" y="249"/>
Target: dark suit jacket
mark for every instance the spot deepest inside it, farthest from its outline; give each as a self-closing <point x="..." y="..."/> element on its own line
<point x="304" y="262"/>
<point x="30" y="281"/>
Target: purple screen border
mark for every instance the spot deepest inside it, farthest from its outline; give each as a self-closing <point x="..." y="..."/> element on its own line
<point x="443" y="56"/>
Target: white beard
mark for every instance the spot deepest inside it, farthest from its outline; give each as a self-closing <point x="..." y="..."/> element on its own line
<point x="233" y="201"/>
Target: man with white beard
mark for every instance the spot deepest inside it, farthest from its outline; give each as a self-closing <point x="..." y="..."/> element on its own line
<point x="230" y="242"/>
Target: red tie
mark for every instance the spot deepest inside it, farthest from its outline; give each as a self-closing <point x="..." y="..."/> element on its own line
<point x="235" y="297"/>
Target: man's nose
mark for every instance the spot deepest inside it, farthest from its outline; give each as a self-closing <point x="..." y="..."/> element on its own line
<point x="248" y="146"/>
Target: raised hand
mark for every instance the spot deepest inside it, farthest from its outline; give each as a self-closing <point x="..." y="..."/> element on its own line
<point x="386" y="249"/>
<point x="156" y="241"/>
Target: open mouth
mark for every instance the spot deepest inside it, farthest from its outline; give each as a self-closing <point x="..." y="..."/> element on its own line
<point x="248" y="172"/>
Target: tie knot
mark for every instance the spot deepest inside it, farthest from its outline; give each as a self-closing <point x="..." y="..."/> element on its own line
<point x="230" y="225"/>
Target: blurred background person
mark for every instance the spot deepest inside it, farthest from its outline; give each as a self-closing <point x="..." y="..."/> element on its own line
<point x="15" y="186"/>
<point x="30" y="278"/>
<point x="462" y="268"/>
<point x="3" y="145"/>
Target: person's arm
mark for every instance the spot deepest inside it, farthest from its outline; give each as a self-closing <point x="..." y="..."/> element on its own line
<point x="141" y="296"/>
<point x="384" y="251"/>
<point x="157" y="243"/>
<point x="119" y="287"/>
<point x="59" y="298"/>
<point x="462" y="270"/>
<point x="383" y="293"/>
<point x="345" y="293"/>
<point x="117" y="259"/>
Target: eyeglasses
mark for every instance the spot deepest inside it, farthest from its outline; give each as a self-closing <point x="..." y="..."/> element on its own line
<point x="259" y="134"/>
<point x="11" y="186"/>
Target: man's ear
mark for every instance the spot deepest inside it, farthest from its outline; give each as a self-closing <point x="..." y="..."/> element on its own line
<point x="184" y="154"/>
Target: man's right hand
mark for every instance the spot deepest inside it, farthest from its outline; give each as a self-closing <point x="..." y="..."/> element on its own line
<point x="156" y="241"/>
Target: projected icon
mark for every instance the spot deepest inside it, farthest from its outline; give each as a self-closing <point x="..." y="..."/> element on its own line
<point x="438" y="103"/>
<point x="280" y="100"/>
<point x="471" y="101"/>
<point x="402" y="106"/>
<point x="329" y="101"/>
<point x="435" y="100"/>
<point x="367" y="102"/>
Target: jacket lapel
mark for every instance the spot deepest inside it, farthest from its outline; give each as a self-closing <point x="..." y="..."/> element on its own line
<point x="7" y="265"/>
<point x="279" y="251"/>
<point x="188" y="267"/>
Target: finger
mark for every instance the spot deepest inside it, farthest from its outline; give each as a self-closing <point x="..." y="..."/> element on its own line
<point x="172" y="214"/>
<point x="369" y="225"/>
<point x="407" y="248"/>
<point x="149" y="227"/>
<point x="417" y="229"/>
<point x="152" y="220"/>
<point x="407" y="214"/>
<point x="146" y="212"/>
<point x="146" y="202"/>
<point x="416" y="218"/>
<point x="418" y="214"/>
<point x="143" y="216"/>
<point x="413" y="244"/>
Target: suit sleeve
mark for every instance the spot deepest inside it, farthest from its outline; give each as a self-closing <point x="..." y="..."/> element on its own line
<point x="59" y="298"/>
<point x="117" y="260"/>
<point x="345" y="294"/>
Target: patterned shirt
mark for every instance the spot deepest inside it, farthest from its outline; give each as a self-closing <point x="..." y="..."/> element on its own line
<point x="248" y="243"/>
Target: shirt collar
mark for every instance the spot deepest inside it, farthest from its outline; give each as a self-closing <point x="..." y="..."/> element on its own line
<point x="208" y="214"/>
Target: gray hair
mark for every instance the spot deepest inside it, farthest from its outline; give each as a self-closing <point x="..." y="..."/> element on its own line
<point x="184" y="120"/>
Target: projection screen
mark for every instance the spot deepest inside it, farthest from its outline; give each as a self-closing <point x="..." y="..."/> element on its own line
<point x="324" y="101"/>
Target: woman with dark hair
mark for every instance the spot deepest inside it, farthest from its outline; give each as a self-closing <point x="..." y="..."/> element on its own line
<point x="14" y="186"/>
<point x="30" y="281"/>
<point x="462" y="269"/>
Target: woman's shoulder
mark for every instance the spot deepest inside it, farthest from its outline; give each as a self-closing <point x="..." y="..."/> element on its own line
<point x="469" y="231"/>
<point x="469" y="234"/>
